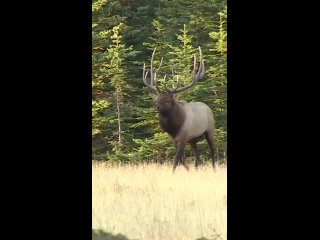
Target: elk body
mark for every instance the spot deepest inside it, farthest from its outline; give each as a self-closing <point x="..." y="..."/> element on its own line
<point x="184" y="122"/>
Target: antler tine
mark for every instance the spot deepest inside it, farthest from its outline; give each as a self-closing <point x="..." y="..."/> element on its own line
<point x="144" y="75"/>
<point x="177" y="83"/>
<point x="155" y="74"/>
<point x="194" y="66"/>
<point x="165" y="85"/>
<point x="144" y="78"/>
<point x="151" y="67"/>
<point x="160" y="64"/>
<point x="200" y="73"/>
<point x="153" y="81"/>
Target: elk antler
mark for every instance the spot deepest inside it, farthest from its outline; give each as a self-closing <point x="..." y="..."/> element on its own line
<point x="195" y="77"/>
<point x="153" y="76"/>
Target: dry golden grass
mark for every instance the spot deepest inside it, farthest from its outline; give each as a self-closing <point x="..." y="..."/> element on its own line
<point x="148" y="202"/>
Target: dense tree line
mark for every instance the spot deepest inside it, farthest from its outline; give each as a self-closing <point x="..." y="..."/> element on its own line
<point x="124" y="33"/>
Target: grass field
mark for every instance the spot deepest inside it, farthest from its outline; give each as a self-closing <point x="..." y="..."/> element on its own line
<point x="148" y="202"/>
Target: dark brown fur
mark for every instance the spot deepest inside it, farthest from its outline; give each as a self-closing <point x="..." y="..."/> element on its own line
<point x="172" y="120"/>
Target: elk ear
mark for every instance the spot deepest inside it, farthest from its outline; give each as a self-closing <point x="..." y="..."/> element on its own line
<point x="154" y="96"/>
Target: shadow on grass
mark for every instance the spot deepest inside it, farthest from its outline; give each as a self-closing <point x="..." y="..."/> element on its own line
<point x="101" y="235"/>
<point x="214" y="238"/>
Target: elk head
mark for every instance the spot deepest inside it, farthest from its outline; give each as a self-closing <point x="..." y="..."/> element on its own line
<point x="165" y="99"/>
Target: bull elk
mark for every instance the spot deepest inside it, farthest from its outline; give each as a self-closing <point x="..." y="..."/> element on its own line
<point x="184" y="122"/>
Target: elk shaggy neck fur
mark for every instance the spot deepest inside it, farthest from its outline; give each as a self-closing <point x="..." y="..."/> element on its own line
<point x="171" y="121"/>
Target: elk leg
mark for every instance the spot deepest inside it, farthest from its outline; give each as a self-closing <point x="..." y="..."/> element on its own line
<point x="195" y="151"/>
<point x="184" y="163"/>
<point x="182" y="160"/>
<point x="179" y="154"/>
<point x="209" y="137"/>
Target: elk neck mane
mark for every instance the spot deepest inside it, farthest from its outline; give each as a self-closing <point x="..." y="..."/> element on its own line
<point x="172" y="121"/>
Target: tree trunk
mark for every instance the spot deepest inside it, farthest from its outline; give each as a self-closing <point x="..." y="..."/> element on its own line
<point x="119" y="119"/>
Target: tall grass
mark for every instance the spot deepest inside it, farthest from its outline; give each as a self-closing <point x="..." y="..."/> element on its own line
<point x="149" y="202"/>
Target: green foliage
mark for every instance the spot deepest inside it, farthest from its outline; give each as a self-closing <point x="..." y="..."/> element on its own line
<point x="157" y="148"/>
<point x="125" y="127"/>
